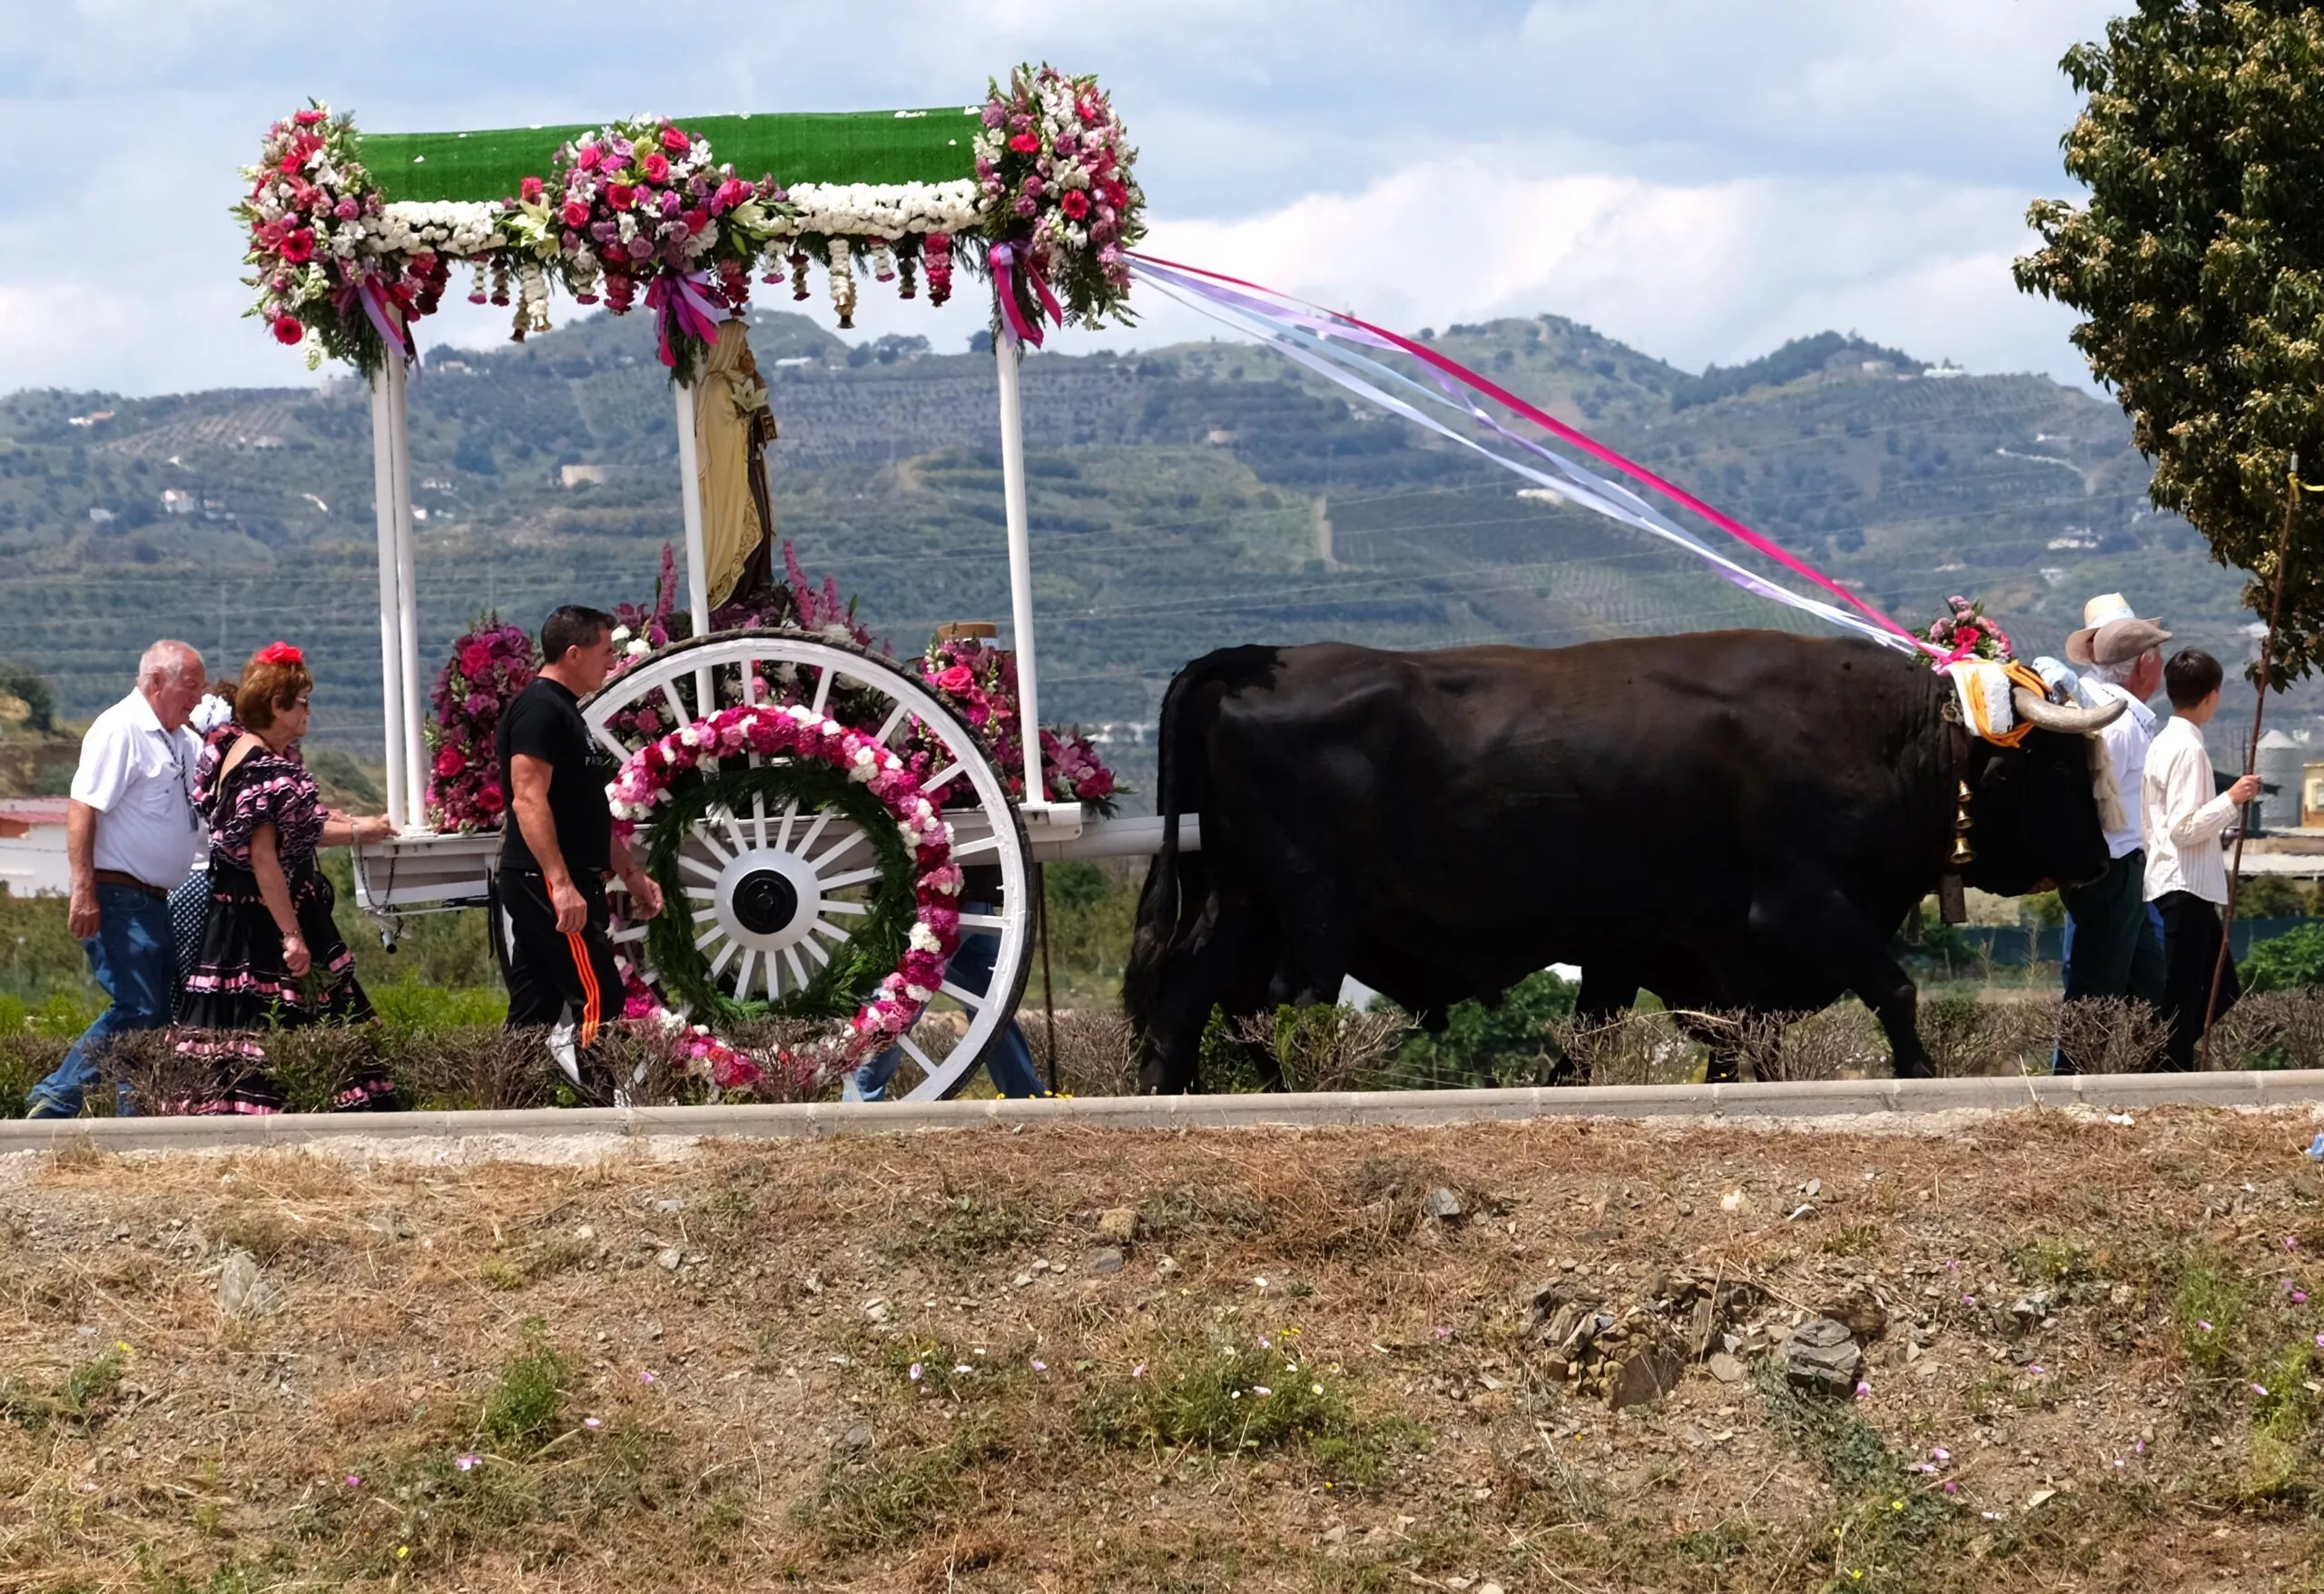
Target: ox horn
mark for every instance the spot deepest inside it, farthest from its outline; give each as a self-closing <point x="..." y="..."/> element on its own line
<point x="2035" y="709"/>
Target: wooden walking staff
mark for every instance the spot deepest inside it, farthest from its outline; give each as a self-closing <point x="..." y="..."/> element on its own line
<point x="2252" y="762"/>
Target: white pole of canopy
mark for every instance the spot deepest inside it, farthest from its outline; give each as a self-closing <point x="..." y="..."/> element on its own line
<point x="1020" y="567"/>
<point x="697" y="560"/>
<point x="383" y="499"/>
<point x="415" y="704"/>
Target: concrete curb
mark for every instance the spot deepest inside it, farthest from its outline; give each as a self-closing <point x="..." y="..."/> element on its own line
<point x="1377" y="1108"/>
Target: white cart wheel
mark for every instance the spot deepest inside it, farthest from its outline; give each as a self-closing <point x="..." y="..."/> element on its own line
<point x="775" y="894"/>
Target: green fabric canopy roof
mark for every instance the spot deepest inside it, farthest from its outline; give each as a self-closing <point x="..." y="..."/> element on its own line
<point x="852" y="146"/>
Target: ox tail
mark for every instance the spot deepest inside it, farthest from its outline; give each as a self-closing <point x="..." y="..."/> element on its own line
<point x="1182" y="779"/>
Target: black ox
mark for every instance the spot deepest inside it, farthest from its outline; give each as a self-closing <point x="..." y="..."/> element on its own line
<point x="1738" y="821"/>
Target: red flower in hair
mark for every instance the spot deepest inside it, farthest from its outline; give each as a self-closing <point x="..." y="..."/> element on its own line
<point x="281" y="652"/>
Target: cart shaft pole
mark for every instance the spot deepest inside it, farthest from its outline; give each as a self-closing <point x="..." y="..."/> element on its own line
<point x="415" y="752"/>
<point x="1020" y="566"/>
<point x="383" y="499"/>
<point x="697" y="555"/>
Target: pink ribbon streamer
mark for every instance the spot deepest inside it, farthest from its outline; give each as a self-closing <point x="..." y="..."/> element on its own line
<point x="681" y="297"/>
<point x="1587" y="444"/>
<point x="383" y="316"/>
<point x="1002" y="257"/>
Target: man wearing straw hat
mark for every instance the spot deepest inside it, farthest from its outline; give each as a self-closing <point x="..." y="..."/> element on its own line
<point x="2113" y="943"/>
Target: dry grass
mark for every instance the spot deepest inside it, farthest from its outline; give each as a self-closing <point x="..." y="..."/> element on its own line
<point x="897" y="1364"/>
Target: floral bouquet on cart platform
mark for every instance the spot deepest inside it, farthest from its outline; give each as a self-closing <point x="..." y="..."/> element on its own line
<point x="488" y="668"/>
<point x="980" y="681"/>
<point x="638" y="205"/>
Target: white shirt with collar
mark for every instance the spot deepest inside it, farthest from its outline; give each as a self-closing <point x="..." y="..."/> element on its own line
<point x="2185" y="812"/>
<point x="2127" y="740"/>
<point x="139" y="780"/>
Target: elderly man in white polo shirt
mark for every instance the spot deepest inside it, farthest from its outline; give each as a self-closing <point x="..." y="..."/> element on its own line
<point x="131" y="835"/>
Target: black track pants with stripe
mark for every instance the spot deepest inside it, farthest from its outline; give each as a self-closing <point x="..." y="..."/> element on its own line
<point x="566" y="983"/>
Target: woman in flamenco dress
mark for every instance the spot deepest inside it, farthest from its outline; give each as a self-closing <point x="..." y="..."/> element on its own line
<point x="270" y="957"/>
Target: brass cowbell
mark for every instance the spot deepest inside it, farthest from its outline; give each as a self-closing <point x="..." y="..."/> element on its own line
<point x="1962" y="851"/>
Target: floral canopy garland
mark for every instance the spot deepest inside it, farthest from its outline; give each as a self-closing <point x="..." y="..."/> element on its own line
<point x="640" y="211"/>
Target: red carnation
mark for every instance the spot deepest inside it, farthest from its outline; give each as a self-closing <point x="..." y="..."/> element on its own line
<point x="529" y="190"/>
<point x="489" y="799"/>
<point x="1965" y="634"/>
<point x="1075" y="203"/>
<point x="658" y="169"/>
<point x="676" y="142"/>
<point x="619" y="194"/>
<point x="575" y="214"/>
<point x="298" y="246"/>
<point x="306" y="118"/>
<point x="1025" y="144"/>
<point x="696" y="220"/>
<point x="287" y="330"/>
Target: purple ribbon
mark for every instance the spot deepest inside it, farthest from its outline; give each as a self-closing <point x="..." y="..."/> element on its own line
<point x="367" y="293"/>
<point x="1003" y="258"/>
<point x="681" y="297"/>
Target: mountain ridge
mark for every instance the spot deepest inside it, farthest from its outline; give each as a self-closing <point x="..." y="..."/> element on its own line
<point x="1181" y="497"/>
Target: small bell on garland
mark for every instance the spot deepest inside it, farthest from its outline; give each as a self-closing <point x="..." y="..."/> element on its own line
<point x="799" y="263"/>
<point x="844" y="284"/>
<point x="476" y="294"/>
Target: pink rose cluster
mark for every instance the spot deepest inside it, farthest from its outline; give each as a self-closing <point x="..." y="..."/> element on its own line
<point x="794" y="730"/>
<point x="642" y="197"/>
<point x="306" y="213"/>
<point x="981" y="681"/>
<point x="1054" y="172"/>
<point x="1965" y="633"/>
<point x="490" y="665"/>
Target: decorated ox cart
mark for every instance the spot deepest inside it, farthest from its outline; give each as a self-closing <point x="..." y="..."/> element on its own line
<point x="831" y="827"/>
<point x="818" y="869"/>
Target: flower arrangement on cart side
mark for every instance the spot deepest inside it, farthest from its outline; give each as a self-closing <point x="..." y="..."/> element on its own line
<point x="490" y="663"/>
<point x="981" y="681"/>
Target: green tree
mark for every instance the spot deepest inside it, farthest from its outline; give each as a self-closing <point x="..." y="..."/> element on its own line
<point x="2199" y="261"/>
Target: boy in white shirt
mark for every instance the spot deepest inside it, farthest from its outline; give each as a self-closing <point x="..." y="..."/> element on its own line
<point x="2186" y="876"/>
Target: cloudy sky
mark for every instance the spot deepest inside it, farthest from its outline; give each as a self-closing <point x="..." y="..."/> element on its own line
<point x="1701" y="178"/>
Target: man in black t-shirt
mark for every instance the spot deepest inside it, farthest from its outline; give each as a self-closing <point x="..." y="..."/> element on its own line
<point x="558" y="848"/>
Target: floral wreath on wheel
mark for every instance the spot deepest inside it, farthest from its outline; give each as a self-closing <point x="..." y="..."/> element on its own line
<point x="890" y="968"/>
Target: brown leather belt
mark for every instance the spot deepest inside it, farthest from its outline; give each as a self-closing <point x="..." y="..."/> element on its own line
<point x="113" y="877"/>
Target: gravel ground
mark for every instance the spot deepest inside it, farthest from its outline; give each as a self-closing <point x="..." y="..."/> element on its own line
<point x="1532" y="1356"/>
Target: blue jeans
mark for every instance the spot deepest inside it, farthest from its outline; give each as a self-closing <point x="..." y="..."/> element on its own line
<point x="135" y="956"/>
<point x="1006" y="1059"/>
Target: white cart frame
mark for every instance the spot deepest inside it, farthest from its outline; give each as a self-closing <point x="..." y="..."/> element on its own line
<point x="420" y="871"/>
